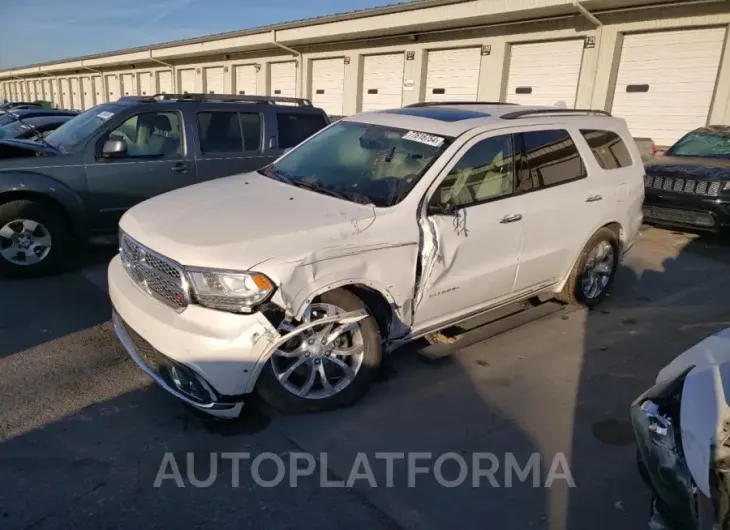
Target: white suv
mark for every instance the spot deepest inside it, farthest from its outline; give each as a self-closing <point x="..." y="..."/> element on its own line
<point x="382" y="228"/>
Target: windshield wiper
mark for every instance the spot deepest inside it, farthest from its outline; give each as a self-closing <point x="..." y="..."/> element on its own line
<point x="351" y="196"/>
<point x="276" y="174"/>
<point x="39" y="135"/>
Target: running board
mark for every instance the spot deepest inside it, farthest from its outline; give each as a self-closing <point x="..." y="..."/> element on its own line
<point x="517" y="315"/>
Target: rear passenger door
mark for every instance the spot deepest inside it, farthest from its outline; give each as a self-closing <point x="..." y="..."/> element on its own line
<point x="229" y="143"/>
<point x="292" y="128"/>
<point x="559" y="199"/>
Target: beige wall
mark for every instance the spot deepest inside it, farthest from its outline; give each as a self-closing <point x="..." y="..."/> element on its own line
<point x="596" y="82"/>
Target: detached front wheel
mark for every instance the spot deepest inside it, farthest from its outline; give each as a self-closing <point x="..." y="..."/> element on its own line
<point x="326" y="367"/>
<point x="34" y="239"/>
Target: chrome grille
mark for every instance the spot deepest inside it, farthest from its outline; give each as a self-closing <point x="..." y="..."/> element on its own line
<point x="681" y="185"/>
<point x="155" y="274"/>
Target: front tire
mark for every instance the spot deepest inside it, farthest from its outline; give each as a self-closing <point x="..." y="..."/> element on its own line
<point x="35" y="240"/>
<point x="305" y="377"/>
<point x="594" y="271"/>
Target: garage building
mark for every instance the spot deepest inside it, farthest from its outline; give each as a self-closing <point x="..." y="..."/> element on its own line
<point x="664" y="66"/>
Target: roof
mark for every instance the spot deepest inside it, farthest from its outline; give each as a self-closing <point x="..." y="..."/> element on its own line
<point x="406" y="5"/>
<point x="453" y="120"/>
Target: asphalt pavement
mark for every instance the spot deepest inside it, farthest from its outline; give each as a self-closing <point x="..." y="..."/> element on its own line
<point x="84" y="436"/>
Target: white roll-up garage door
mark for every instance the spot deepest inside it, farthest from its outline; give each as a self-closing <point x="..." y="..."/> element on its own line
<point x="146" y="86"/>
<point x="328" y="84"/>
<point x="111" y="88"/>
<point x="31" y="91"/>
<point x="87" y="93"/>
<point x="545" y="73"/>
<point x="164" y="82"/>
<point x="215" y="80"/>
<point x="129" y="87"/>
<point x="64" y="96"/>
<point x="98" y="89"/>
<point x="382" y="81"/>
<point x="284" y="79"/>
<point x="666" y="80"/>
<point x="453" y="75"/>
<point x="186" y="81"/>
<point x="76" y="94"/>
<point x="246" y="83"/>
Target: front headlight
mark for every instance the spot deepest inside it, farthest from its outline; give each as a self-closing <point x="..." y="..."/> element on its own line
<point x="237" y="292"/>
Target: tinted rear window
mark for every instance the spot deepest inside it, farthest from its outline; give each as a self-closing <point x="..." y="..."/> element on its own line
<point x="608" y="148"/>
<point x="294" y="128"/>
<point x="552" y="157"/>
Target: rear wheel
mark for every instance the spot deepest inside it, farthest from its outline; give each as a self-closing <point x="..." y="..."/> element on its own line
<point x="34" y="239"/>
<point x="593" y="272"/>
<point x="327" y="367"/>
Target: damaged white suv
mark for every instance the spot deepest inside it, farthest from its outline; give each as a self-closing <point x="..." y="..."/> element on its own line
<point x="382" y="228"/>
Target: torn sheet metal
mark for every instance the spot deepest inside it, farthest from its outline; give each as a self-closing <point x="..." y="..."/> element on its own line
<point x="682" y="428"/>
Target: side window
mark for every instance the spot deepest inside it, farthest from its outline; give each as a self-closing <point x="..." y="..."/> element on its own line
<point x="549" y="158"/>
<point x="294" y="128"/>
<point x="150" y="134"/>
<point x="608" y="148"/>
<point x="485" y="172"/>
<point x="220" y="132"/>
<point x="251" y="126"/>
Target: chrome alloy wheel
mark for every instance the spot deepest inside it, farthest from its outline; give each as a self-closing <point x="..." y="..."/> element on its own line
<point x="24" y="242"/>
<point x="598" y="269"/>
<point x="321" y="361"/>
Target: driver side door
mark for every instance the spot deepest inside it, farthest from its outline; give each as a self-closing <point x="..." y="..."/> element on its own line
<point x="479" y="243"/>
<point x="156" y="161"/>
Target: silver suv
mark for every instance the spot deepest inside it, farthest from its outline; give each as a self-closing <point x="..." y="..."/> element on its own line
<point x="384" y="227"/>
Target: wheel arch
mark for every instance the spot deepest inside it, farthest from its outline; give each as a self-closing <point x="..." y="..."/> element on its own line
<point x="42" y="189"/>
<point x="614" y="226"/>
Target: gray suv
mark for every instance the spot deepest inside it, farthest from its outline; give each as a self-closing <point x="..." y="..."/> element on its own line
<point x="74" y="185"/>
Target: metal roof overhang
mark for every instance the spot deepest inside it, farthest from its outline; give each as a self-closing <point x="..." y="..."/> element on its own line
<point x="399" y="19"/>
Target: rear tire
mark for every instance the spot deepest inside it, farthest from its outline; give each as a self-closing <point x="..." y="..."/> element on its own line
<point x="35" y="240"/>
<point x="576" y="291"/>
<point x="276" y="394"/>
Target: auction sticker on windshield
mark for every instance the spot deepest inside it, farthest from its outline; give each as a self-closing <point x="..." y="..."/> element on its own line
<point x="428" y="139"/>
<point x="105" y="115"/>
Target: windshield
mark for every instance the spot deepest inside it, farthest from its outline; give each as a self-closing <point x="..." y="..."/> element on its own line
<point x="705" y="144"/>
<point x="12" y="130"/>
<point x="80" y="127"/>
<point x="361" y="162"/>
<point x="6" y="119"/>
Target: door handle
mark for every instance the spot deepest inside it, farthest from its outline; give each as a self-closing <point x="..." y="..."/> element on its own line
<point x="513" y="218"/>
<point x="594" y="198"/>
<point x="181" y="167"/>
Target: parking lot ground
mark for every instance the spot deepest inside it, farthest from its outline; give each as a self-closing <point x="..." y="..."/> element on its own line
<point x="83" y="434"/>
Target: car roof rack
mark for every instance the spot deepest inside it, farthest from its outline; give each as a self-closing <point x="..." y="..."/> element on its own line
<point x="547" y="112"/>
<point x="227" y="98"/>
<point x="449" y="103"/>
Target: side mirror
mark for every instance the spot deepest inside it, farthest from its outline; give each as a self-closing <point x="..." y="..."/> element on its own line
<point x="113" y="148"/>
<point x="441" y="208"/>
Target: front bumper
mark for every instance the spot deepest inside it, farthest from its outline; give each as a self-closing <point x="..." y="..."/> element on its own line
<point x="222" y="353"/>
<point x="686" y="211"/>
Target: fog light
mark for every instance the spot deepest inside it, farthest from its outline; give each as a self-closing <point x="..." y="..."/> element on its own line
<point x="184" y="383"/>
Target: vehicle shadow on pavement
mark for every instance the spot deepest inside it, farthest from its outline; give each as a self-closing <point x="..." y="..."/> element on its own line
<point x="84" y="451"/>
<point x="39" y="310"/>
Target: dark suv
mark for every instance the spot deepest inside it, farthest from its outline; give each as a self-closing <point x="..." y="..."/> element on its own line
<point x="75" y="184"/>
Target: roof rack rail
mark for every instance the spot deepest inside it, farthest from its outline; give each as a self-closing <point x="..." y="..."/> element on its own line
<point x="448" y="103"/>
<point x="240" y="98"/>
<point x="541" y="112"/>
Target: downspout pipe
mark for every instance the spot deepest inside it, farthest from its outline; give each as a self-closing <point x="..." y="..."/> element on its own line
<point x="172" y="71"/>
<point x="599" y="30"/>
<point x="587" y="14"/>
<point x="103" y="81"/>
<point x="300" y="62"/>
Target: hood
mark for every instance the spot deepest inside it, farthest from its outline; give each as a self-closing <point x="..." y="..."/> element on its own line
<point x="705" y="402"/>
<point x="24" y="148"/>
<point x="238" y="222"/>
<point x="696" y="168"/>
